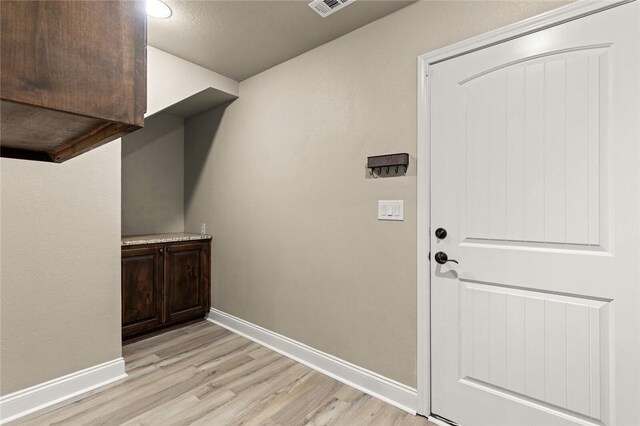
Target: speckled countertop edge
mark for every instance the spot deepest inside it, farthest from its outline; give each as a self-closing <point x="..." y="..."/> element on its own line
<point x="136" y="240"/>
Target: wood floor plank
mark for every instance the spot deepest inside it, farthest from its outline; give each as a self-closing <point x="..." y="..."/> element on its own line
<point x="203" y="374"/>
<point x="328" y="414"/>
<point x="259" y="351"/>
<point x="208" y="404"/>
<point x="361" y="413"/>
<point x="159" y="413"/>
<point x="229" y="413"/>
<point x="310" y="398"/>
<point x="265" y="411"/>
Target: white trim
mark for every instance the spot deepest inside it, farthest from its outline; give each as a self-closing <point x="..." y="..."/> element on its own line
<point x="437" y="421"/>
<point x="388" y="390"/>
<point x="26" y="401"/>
<point x="554" y="17"/>
<point x="548" y="19"/>
<point x="424" y="243"/>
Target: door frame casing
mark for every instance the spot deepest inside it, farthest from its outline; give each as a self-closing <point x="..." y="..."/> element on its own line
<point x="569" y="12"/>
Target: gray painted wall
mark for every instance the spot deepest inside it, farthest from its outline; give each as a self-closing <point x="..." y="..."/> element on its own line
<point x="60" y="266"/>
<point x="279" y="177"/>
<point x="153" y="177"/>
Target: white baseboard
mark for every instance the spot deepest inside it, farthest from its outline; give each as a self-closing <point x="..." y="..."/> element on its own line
<point x="390" y="391"/>
<point x="438" y="422"/>
<point x="37" y="397"/>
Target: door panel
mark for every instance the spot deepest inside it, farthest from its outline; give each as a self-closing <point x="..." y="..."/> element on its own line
<point x="537" y="346"/>
<point x="544" y="184"/>
<point x="534" y="174"/>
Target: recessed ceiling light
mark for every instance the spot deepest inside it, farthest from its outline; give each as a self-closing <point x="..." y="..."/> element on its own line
<point x="158" y="9"/>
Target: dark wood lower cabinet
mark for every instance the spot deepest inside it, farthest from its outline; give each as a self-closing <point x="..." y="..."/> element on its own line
<point x="163" y="285"/>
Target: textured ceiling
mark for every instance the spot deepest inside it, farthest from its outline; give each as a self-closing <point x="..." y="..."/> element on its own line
<point x="239" y="38"/>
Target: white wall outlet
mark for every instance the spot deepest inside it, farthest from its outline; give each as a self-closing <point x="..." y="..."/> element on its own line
<point x="203" y="228"/>
<point x="390" y="209"/>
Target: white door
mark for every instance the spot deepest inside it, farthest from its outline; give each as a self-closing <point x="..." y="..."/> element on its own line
<point x="535" y="176"/>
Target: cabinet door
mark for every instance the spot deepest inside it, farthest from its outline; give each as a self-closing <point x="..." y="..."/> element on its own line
<point x="142" y="289"/>
<point x="186" y="281"/>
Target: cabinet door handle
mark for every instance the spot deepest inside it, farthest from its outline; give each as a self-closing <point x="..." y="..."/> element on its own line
<point x="160" y="250"/>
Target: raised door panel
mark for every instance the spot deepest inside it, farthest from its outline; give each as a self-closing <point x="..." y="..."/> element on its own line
<point x="142" y="292"/>
<point x="543" y="348"/>
<point x="186" y="281"/>
<point x="535" y="157"/>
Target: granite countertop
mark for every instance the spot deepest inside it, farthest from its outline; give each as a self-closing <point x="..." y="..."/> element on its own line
<point x="134" y="240"/>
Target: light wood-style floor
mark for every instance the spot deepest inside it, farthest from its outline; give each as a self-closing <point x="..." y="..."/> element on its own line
<point x="205" y="375"/>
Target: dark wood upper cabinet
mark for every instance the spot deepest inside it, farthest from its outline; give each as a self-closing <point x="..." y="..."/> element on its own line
<point x="73" y="75"/>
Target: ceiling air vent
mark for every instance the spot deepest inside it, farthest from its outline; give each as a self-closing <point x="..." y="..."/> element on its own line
<point x="325" y="8"/>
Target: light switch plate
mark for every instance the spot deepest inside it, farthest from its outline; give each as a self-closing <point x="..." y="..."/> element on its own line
<point x="390" y="209"/>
